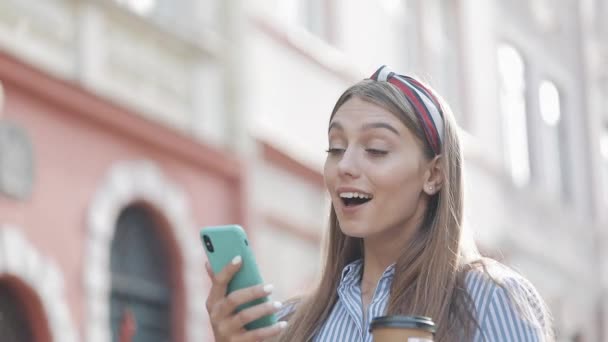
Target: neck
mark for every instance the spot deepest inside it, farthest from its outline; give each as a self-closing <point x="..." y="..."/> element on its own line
<point x="373" y="267"/>
<point x="383" y="250"/>
<point x="378" y="254"/>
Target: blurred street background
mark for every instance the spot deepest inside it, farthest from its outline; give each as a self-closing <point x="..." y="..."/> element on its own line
<point x="126" y="125"/>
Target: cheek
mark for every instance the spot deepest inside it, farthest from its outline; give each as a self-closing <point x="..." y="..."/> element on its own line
<point x="400" y="185"/>
<point x="329" y="174"/>
<point x="403" y="189"/>
<point x="400" y="199"/>
<point x="400" y="173"/>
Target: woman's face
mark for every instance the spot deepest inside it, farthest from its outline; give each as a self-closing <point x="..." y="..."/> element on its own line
<point x="375" y="171"/>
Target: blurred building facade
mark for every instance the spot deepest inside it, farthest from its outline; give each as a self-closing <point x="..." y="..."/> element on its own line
<point x="177" y="114"/>
<point x="527" y="82"/>
<point x="103" y="194"/>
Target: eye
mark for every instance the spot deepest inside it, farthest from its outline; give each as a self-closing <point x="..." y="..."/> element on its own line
<point x="376" y="152"/>
<point x="334" y="151"/>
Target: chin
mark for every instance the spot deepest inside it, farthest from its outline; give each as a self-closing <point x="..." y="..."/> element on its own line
<point x="354" y="231"/>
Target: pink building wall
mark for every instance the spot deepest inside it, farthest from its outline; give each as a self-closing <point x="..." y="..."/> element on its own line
<point x="76" y="137"/>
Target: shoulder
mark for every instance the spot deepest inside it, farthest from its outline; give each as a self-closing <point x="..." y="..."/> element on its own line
<point x="508" y="307"/>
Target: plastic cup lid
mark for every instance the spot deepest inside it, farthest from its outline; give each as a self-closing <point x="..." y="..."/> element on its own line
<point x="403" y="322"/>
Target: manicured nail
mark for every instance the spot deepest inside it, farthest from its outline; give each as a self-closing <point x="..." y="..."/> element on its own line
<point x="237" y="260"/>
<point x="282" y="325"/>
<point x="277" y="305"/>
<point x="268" y="288"/>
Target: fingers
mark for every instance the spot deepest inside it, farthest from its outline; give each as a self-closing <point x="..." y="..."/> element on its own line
<point x="236" y="298"/>
<point x="221" y="280"/>
<point x="226" y="274"/>
<point x="261" y="333"/>
<point x="209" y="271"/>
<point x="238" y="321"/>
<point x="228" y="325"/>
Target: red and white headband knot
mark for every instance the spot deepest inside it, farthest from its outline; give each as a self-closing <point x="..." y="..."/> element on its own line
<point x="422" y="99"/>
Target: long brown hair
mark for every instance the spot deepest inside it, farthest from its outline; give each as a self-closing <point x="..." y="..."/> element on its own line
<point x="429" y="273"/>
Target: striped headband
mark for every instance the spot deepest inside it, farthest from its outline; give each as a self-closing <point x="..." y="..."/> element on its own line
<point x="425" y="104"/>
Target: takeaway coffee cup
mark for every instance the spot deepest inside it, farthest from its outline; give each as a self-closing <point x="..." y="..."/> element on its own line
<point x="402" y="329"/>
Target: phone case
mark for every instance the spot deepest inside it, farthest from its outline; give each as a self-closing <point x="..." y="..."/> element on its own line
<point x="229" y="241"/>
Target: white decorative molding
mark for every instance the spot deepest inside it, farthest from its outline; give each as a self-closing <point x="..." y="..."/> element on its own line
<point x="125" y="183"/>
<point x="20" y="259"/>
<point x="128" y="58"/>
<point x="42" y="33"/>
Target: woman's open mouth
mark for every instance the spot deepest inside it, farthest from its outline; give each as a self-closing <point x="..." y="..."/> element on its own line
<point x="353" y="199"/>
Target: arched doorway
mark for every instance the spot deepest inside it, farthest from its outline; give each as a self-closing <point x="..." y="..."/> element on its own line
<point x="141" y="278"/>
<point x="22" y="317"/>
<point x="14" y="323"/>
<point x="33" y="305"/>
<point x="132" y="182"/>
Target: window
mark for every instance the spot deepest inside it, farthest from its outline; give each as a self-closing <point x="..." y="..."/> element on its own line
<point x="140" y="277"/>
<point x="512" y="96"/>
<point x="552" y="158"/>
<point x="392" y="6"/>
<point x="451" y="53"/>
<point x="549" y="103"/>
<point x="141" y="7"/>
<point x="604" y="155"/>
<point x="14" y="326"/>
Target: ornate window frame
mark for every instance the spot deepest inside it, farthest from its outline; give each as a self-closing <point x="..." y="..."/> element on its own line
<point x="20" y="259"/>
<point x="125" y="183"/>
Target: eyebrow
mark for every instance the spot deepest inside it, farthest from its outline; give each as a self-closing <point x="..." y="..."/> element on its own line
<point x="368" y="126"/>
<point x="335" y="125"/>
<point x="384" y="125"/>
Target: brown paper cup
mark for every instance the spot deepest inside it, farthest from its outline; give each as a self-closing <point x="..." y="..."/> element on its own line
<point x="402" y="329"/>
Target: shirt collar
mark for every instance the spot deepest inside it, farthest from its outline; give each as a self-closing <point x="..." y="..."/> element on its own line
<point x="352" y="272"/>
<point x="389" y="271"/>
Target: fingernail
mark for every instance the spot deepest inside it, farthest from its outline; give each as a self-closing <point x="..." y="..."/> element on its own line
<point x="236" y="260"/>
<point x="282" y="324"/>
<point x="268" y="288"/>
<point x="277" y="305"/>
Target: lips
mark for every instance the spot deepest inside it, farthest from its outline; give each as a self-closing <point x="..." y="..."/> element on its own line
<point x="352" y="198"/>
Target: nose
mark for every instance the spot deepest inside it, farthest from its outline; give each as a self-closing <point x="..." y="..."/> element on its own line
<point x="348" y="165"/>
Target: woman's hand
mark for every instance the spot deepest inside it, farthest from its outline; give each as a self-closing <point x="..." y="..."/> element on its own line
<point x="229" y="326"/>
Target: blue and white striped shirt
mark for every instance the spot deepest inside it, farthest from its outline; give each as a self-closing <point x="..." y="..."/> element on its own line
<point x="498" y="318"/>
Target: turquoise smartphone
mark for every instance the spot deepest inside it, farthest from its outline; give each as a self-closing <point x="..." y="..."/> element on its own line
<point x="222" y="244"/>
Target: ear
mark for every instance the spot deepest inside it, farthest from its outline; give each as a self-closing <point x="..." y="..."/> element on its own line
<point x="433" y="176"/>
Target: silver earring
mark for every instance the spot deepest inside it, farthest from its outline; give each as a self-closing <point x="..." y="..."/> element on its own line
<point x="430" y="188"/>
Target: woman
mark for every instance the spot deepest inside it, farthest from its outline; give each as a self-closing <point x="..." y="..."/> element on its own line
<point x="395" y="244"/>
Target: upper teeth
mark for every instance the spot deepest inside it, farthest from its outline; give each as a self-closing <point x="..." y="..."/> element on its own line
<point x="354" y="195"/>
